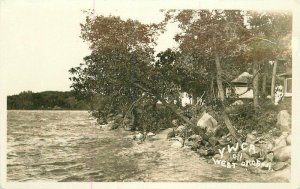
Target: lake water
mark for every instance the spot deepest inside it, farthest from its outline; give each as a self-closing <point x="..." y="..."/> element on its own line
<point x="69" y="146"/>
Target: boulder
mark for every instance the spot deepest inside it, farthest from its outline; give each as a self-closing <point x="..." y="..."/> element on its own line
<point x="279" y="166"/>
<point x="282" y="154"/>
<point x="284" y="120"/>
<point x="288" y="140"/>
<point x="208" y="123"/>
<point x="280" y="141"/>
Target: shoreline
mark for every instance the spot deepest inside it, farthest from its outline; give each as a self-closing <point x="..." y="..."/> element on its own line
<point x="185" y="165"/>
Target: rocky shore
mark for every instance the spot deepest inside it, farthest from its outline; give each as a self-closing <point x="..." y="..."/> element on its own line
<point x="169" y="156"/>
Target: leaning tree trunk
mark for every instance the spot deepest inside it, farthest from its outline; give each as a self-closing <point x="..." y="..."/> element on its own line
<point x="185" y="119"/>
<point x="222" y="97"/>
<point x="273" y="82"/>
<point x="255" y="84"/>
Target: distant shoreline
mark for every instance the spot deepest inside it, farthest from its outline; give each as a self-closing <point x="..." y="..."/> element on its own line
<point x="47" y="100"/>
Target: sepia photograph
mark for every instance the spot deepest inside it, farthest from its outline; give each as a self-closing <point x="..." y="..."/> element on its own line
<point x="102" y="93"/>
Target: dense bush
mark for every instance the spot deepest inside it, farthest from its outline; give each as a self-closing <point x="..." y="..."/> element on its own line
<point x="262" y="119"/>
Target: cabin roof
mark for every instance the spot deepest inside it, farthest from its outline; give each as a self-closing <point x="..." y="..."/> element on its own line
<point x="245" y="77"/>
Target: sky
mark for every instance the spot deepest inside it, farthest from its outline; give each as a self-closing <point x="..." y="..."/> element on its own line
<point x="40" y="40"/>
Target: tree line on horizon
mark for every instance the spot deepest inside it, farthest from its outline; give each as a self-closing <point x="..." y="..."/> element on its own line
<point x="47" y="100"/>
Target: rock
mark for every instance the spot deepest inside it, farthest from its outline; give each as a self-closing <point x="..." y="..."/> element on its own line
<point x="171" y="134"/>
<point x="127" y="128"/>
<point x="284" y="120"/>
<point x="217" y="156"/>
<point x="194" y="141"/>
<point x="177" y="144"/>
<point x="195" y="138"/>
<point x="238" y="102"/>
<point x="269" y="157"/>
<point x="280" y="141"/>
<point x="266" y="146"/>
<point x="288" y="140"/>
<point x="279" y="166"/>
<point x="208" y="123"/>
<point x="180" y="130"/>
<point x="139" y="136"/>
<point x="213" y="141"/>
<point x="266" y="166"/>
<point x="205" y="152"/>
<point x="255" y="170"/>
<point x="111" y="125"/>
<point x="282" y="154"/>
<point x="175" y="122"/>
<point x="178" y="139"/>
<point x="189" y="143"/>
<point x="202" y="152"/>
<point x="150" y="134"/>
<point x="251" y="138"/>
<point x="255" y="154"/>
<point x="224" y="140"/>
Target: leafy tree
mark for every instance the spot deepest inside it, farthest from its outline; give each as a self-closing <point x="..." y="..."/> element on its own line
<point x="269" y="40"/>
<point x="214" y="37"/>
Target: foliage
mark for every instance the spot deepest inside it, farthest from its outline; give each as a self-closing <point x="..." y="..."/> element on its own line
<point x="123" y="77"/>
<point x="263" y="119"/>
<point x="47" y="100"/>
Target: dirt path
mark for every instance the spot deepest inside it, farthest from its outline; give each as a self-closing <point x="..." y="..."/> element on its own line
<point x="160" y="160"/>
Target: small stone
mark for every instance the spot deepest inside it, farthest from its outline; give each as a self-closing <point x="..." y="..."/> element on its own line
<point x="202" y="152"/>
<point x="139" y="136"/>
<point x="269" y="157"/>
<point x="171" y="134"/>
<point x="150" y="134"/>
<point x="251" y="138"/>
<point x="177" y="144"/>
